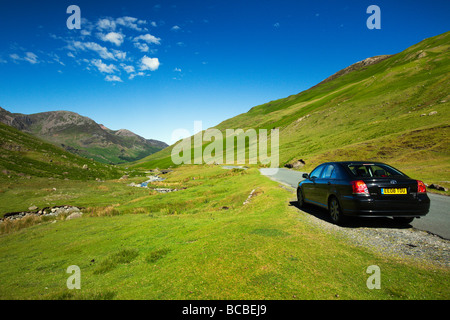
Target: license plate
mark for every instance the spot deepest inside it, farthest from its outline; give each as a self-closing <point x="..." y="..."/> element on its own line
<point x="394" y="191"/>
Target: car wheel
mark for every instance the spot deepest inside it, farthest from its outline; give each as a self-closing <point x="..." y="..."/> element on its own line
<point x="403" y="220"/>
<point x="300" y="199"/>
<point x="335" y="211"/>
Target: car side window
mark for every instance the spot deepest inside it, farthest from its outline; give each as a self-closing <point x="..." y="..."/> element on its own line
<point x="316" y="172"/>
<point x="336" y="174"/>
<point x="327" y="172"/>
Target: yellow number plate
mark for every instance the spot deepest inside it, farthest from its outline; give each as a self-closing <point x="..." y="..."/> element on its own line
<point x="394" y="191"/>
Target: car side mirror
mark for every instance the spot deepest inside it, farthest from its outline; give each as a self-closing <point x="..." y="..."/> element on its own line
<point x="305" y="176"/>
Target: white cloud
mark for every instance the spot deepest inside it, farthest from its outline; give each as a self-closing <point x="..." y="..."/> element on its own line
<point x="143" y="47"/>
<point x="132" y="23"/>
<point x="128" y="22"/>
<point x="128" y="69"/>
<point x="102" y="51"/>
<point x="14" y="56"/>
<point x="113" y="79"/>
<point x="103" y="67"/>
<point x="106" y="24"/>
<point x="133" y="75"/>
<point x="121" y="55"/>
<point x="113" y="37"/>
<point x="151" y="64"/>
<point x="29" y="56"/>
<point x="177" y="70"/>
<point x="148" y="38"/>
<point x="175" y="28"/>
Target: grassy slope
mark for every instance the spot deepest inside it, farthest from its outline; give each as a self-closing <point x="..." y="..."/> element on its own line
<point x="373" y="113"/>
<point x="23" y="155"/>
<point x="183" y="245"/>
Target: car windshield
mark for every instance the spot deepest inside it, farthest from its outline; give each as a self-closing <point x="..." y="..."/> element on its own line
<point x="373" y="170"/>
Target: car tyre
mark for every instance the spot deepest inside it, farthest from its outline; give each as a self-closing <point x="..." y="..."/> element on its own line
<point x="300" y="198"/>
<point x="335" y="211"/>
<point x="403" y="220"/>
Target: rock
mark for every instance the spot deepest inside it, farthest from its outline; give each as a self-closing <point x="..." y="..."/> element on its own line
<point x="249" y="197"/>
<point x="437" y="187"/>
<point x="163" y="190"/>
<point x="432" y="113"/>
<point x="74" y="215"/>
<point x="423" y="115"/>
<point x="32" y="208"/>
<point x="125" y="177"/>
<point x="85" y="167"/>
<point x="299" y="163"/>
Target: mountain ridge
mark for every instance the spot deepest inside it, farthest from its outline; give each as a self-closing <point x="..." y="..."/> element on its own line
<point x="83" y="136"/>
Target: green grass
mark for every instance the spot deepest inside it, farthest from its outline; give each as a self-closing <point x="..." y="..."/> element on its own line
<point x="266" y="249"/>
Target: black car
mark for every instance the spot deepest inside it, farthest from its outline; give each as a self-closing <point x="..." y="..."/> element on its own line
<point x="365" y="189"/>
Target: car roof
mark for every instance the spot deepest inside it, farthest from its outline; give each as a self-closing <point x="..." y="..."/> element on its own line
<point x="354" y="162"/>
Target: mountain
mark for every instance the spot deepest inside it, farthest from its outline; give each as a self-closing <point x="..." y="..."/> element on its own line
<point x="389" y="108"/>
<point x="83" y="136"/>
<point x="25" y="156"/>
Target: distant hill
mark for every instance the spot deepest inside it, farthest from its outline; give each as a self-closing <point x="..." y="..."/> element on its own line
<point x="83" y="136"/>
<point x="388" y="108"/>
<point x="25" y="156"/>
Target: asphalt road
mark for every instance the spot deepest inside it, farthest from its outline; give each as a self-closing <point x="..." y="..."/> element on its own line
<point x="437" y="221"/>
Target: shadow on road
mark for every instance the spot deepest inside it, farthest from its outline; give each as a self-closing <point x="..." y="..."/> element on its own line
<point x="352" y="222"/>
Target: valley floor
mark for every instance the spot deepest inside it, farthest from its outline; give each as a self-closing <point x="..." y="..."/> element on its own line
<point x="200" y="242"/>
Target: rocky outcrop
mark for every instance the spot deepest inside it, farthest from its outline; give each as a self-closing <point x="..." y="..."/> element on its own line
<point x="46" y="212"/>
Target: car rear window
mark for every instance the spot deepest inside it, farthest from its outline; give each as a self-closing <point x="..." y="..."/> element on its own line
<point x="373" y="171"/>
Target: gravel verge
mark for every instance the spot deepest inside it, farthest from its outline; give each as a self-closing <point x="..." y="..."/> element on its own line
<point x="384" y="236"/>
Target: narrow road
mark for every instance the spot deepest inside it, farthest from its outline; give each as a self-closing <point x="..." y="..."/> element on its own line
<point x="437" y="221"/>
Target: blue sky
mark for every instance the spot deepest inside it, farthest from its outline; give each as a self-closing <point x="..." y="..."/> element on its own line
<point x="156" y="66"/>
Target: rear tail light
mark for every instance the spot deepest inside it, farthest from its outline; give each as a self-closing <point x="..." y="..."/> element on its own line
<point x="421" y="188"/>
<point x="359" y="187"/>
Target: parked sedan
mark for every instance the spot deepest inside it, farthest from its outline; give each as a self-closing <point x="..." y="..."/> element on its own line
<point x="366" y="189"/>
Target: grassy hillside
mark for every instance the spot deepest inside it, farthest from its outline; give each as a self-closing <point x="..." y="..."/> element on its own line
<point x="201" y="242"/>
<point x="23" y="156"/>
<point x="396" y="110"/>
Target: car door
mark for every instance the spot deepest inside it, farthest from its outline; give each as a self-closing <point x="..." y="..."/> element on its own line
<point x="323" y="185"/>
<point x="309" y="186"/>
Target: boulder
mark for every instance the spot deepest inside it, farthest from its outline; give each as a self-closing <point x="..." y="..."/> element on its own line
<point x="437" y="187"/>
<point x="74" y="215"/>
